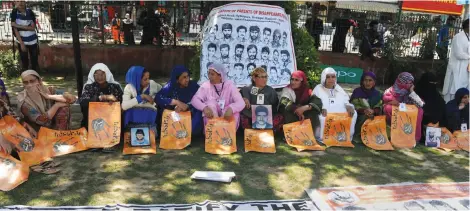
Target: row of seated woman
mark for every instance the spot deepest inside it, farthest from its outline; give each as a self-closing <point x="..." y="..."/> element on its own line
<point x="143" y="100"/>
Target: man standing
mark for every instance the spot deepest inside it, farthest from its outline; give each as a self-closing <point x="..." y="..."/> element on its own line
<point x="23" y="23"/>
<point x="94" y="16"/>
<point x="314" y="27"/>
<point x="443" y="38"/>
<point x="458" y="67"/>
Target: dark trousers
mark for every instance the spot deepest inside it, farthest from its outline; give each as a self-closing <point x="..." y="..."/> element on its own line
<point x="316" y="38"/>
<point x="30" y="56"/>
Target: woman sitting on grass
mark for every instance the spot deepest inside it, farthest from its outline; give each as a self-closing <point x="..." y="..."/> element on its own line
<point x="137" y="100"/>
<point x="366" y="99"/>
<point x="218" y="96"/>
<point x="177" y="94"/>
<point x="259" y="93"/>
<point x="403" y="92"/>
<point x="40" y="106"/>
<point x="298" y="101"/>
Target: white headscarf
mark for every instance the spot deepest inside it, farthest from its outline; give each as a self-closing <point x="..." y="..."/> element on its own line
<point x="328" y="71"/>
<point x="105" y="69"/>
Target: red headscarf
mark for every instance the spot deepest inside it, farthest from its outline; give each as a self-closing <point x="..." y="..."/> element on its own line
<point x="302" y="94"/>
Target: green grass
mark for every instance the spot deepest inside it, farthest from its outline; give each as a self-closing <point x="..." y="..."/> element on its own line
<point x="93" y="178"/>
<point x="97" y="179"/>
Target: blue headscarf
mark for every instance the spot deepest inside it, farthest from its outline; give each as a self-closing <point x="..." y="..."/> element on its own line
<point x="134" y="76"/>
<point x="175" y="91"/>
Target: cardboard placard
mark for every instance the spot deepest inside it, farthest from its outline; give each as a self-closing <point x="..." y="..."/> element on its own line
<point x="13" y="172"/>
<point x="221" y="136"/>
<point x="300" y="135"/>
<point x="132" y="150"/>
<point x="374" y="134"/>
<point x="462" y="139"/>
<point x="337" y="131"/>
<point x="31" y="151"/>
<point x="447" y="140"/>
<point x="176" y="131"/>
<point x="259" y="141"/>
<point x="104" y="124"/>
<point x="403" y="126"/>
<point x="59" y="143"/>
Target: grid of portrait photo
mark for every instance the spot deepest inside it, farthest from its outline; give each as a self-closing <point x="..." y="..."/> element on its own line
<point x="242" y="47"/>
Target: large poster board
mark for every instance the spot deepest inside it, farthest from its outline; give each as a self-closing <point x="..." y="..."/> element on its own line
<point x="242" y="36"/>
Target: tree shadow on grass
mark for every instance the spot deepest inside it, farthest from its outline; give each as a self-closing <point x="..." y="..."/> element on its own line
<point x="93" y="178"/>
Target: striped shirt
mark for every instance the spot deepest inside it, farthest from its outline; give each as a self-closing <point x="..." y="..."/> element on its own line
<point x="28" y="37"/>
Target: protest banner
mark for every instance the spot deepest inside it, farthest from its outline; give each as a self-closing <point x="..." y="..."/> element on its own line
<point x="104" y="124"/>
<point x="447" y="140"/>
<point x="176" y="130"/>
<point x="13" y="172"/>
<point x="462" y="139"/>
<point x="400" y="196"/>
<point x="337" y="130"/>
<point x="221" y="136"/>
<point x="300" y="135"/>
<point x="31" y="151"/>
<point x="149" y="147"/>
<point x="374" y="134"/>
<point x="403" y="126"/>
<point x="242" y="36"/>
<point x="59" y="143"/>
<point x="259" y="141"/>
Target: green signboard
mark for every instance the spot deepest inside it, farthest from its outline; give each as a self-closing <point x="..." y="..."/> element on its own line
<point x="349" y="75"/>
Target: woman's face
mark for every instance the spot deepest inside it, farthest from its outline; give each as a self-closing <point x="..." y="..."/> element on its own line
<point x="330" y="81"/>
<point x="183" y="80"/>
<point x="145" y="80"/>
<point x="261" y="79"/>
<point x="100" y="77"/>
<point x="295" y="82"/>
<point x="368" y="82"/>
<point x="464" y="99"/>
<point x="30" y="81"/>
<point x="214" y="77"/>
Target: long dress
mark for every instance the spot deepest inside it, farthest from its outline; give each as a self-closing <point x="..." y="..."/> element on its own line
<point x="127" y="28"/>
<point x="455" y="116"/>
<point x="457" y="75"/>
<point x="171" y="91"/>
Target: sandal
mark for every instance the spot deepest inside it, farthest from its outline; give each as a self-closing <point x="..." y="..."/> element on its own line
<point x="50" y="164"/>
<point x="42" y="170"/>
<point x="109" y="149"/>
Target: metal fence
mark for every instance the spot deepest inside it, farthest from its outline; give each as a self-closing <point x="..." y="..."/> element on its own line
<point x="182" y="22"/>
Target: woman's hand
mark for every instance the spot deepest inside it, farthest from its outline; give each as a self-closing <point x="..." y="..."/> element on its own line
<point x="394" y="102"/>
<point x="412" y="88"/>
<point x="228" y="114"/>
<point x="208" y="112"/>
<point x="107" y="98"/>
<point x="461" y="106"/>
<point x="369" y="113"/>
<point x="182" y="106"/>
<point x="69" y="97"/>
<point x="61" y="104"/>
<point x="30" y="130"/>
<point x="300" y="112"/>
<point x="147" y="98"/>
<point x="247" y="103"/>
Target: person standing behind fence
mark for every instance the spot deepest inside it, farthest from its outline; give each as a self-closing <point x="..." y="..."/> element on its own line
<point x="458" y="67"/>
<point x="116" y="29"/>
<point x="443" y="38"/>
<point x="342" y="26"/>
<point x="94" y="16"/>
<point x="314" y="27"/>
<point x="23" y="23"/>
<point x="150" y="21"/>
<point x="127" y="28"/>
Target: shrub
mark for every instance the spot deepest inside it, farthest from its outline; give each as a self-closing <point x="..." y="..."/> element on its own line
<point x="306" y="55"/>
<point x="195" y="64"/>
<point x="9" y="65"/>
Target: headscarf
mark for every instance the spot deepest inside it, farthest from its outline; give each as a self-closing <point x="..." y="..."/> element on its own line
<point x="184" y="94"/>
<point x="372" y="95"/>
<point x="302" y="94"/>
<point x="105" y="69"/>
<point x="134" y="77"/>
<point x="220" y="69"/>
<point x="31" y="96"/>
<point x="328" y="71"/>
<point x="435" y="104"/>
<point x="402" y="84"/>
<point x="460" y="93"/>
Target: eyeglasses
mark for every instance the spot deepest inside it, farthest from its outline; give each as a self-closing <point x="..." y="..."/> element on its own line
<point x="295" y="79"/>
<point x="262" y="76"/>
